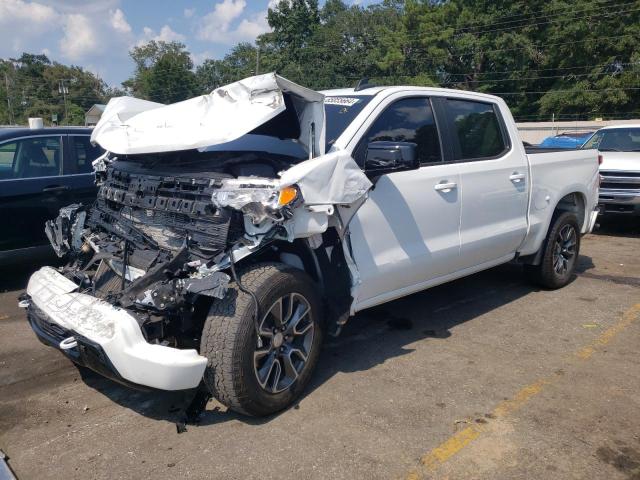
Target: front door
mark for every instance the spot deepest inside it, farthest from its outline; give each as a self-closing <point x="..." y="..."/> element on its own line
<point x="406" y="234"/>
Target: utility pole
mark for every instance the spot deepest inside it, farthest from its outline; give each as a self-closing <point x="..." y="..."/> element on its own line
<point x="62" y="88"/>
<point x="257" y="59"/>
<point x="6" y="82"/>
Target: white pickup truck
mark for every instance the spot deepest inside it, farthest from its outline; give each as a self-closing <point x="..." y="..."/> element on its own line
<point x="233" y="230"/>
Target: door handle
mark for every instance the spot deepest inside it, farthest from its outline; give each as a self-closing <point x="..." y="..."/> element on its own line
<point x="445" y="187"/>
<point x="55" y="188"/>
<point x="517" y="177"/>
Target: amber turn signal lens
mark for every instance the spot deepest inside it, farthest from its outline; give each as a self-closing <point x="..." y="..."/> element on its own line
<point x="287" y="195"/>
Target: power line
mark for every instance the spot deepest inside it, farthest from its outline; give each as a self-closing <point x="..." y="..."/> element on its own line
<point x="549" y="77"/>
<point x="438" y="28"/>
<point x="545" y="69"/>
<point x="558" y="11"/>
<point x="566" y="90"/>
<point x="599" y="15"/>
<point x="526" y="17"/>
<point x="538" y="47"/>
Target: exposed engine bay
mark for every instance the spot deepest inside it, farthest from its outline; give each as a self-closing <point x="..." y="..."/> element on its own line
<point x="152" y="241"/>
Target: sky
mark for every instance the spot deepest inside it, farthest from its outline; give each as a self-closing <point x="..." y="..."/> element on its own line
<point x="98" y="34"/>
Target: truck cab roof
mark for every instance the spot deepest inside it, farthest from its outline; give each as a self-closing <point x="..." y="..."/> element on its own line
<point x="372" y="91"/>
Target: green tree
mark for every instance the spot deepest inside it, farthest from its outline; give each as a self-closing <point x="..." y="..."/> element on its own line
<point x="236" y="65"/>
<point x="163" y="73"/>
<point x="32" y="86"/>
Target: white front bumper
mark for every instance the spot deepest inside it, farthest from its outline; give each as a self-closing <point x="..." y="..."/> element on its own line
<point x="117" y="332"/>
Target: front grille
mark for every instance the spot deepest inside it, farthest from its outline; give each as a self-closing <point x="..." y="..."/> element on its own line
<point x="164" y="211"/>
<point x="620" y="185"/>
<point x="620" y="180"/>
<point x="613" y="173"/>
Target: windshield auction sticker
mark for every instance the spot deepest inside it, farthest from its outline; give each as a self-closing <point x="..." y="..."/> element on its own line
<point x="344" y="101"/>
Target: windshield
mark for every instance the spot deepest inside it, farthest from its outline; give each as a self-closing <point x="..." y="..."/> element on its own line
<point x="340" y="112"/>
<point x="615" y="140"/>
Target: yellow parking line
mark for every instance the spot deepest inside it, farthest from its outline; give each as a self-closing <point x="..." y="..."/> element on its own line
<point x="605" y="337"/>
<point x="452" y="446"/>
<point x="461" y="439"/>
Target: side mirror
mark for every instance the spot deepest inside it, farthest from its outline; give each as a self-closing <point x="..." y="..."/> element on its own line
<point x="386" y="156"/>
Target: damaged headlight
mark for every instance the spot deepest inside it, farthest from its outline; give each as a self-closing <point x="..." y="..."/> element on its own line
<point x="258" y="198"/>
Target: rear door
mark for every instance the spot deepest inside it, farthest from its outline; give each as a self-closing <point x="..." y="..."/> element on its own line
<point x="407" y="232"/>
<point x="78" y="168"/>
<point x="494" y="182"/>
<point x="31" y="190"/>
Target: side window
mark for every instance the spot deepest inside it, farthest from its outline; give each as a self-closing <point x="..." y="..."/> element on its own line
<point x="35" y="157"/>
<point x="7" y="159"/>
<point x="407" y="120"/>
<point x="82" y="154"/>
<point x="477" y="128"/>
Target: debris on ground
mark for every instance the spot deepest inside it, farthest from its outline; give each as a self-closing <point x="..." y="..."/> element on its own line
<point x="194" y="410"/>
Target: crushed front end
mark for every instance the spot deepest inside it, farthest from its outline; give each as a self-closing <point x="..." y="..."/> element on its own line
<point x="146" y="262"/>
<point x="139" y="265"/>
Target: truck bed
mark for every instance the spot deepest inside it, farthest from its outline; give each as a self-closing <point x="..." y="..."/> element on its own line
<point x="553" y="175"/>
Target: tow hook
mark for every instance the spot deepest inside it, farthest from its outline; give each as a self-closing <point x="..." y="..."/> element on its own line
<point x="68" y="343"/>
<point x="24" y="301"/>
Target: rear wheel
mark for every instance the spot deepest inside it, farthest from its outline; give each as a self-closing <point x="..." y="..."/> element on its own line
<point x="560" y="254"/>
<point x="259" y="373"/>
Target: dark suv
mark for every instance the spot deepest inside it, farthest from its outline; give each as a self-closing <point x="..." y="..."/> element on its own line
<point x="41" y="170"/>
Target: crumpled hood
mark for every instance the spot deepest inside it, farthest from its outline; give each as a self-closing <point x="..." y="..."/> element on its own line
<point x="621" y="161"/>
<point x="132" y="126"/>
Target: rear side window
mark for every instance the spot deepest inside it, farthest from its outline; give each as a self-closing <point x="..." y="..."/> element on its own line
<point x="477" y="129"/>
<point x="31" y="157"/>
<point x="83" y="154"/>
<point x="407" y="120"/>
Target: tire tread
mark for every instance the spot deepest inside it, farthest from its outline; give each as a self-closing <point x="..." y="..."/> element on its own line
<point x="223" y="330"/>
<point x="543" y="274"/>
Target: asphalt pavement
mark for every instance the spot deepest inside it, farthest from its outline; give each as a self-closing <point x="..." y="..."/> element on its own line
<point x="487" y="378"/>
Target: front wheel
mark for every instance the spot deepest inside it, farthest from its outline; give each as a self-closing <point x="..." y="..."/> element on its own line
<point x="264" y="371"/>
<point x="560" y="254"/>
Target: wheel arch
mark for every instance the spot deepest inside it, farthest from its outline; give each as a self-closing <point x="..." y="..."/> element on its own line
<point x="575" y="202"/>
<point x="326" y="266"/>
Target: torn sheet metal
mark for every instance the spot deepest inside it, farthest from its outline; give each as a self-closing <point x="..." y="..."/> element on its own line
<point x="333" y="179"/>
<point x="65" y="232"/>
<point x="214" y="285"/>
<point x="131" y="126"/>
<point x="324" y="182"/>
